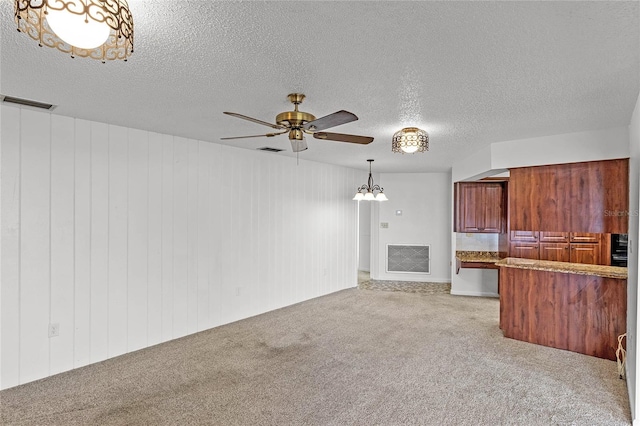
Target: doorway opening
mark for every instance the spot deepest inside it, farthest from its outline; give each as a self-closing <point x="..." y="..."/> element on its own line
<point x="364" y="242"/>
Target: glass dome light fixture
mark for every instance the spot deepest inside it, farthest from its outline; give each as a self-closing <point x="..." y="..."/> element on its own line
<point x="410" y="140"/>
<point x="367" y="191"/>
<point x="97" y="29"/>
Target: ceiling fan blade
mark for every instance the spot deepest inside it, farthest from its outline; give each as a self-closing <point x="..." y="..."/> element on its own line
<point x="255" y="120"/>
<point x="269" y="135"/>
<point x="341" y="137"/>
<point x="331" y="120"/>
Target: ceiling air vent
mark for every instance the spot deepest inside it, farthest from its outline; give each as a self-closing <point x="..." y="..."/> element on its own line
<point x="26" y="102"/>
<point x="269" y="149"/>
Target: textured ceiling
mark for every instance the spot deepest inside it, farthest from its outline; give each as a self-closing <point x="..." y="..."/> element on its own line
<point x="470" y="73"/>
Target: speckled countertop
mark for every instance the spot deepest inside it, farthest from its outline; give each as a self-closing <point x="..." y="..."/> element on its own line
<point x="478" y="256"/>
<point x="565" y="267"/>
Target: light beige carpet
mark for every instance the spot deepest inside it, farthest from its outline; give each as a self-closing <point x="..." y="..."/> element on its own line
<point x="355" y="357"/>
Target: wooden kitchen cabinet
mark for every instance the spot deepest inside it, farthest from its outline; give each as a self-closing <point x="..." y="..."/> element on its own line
<point x="587" y="197"/>
<point x="523" y="236"/>
<point x="554" y="237"/>
<point x="585" y="237"/>
<point x="524" y="250"/>
<point x="564" y="310"/>
<point x="480" y="207"/>
<point x="585" y="253"/>
<point x="577" y="247"/>
<point x="600" y="196"/>
<point x="540" y="198"/>
<point x="559" y="252"/>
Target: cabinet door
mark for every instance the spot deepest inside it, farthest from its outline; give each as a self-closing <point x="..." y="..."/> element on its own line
<point x="600" y="195"/>
<point x="585" y="237"/>
<point x="523" y="236"/>
<point x="493" y="199"/>
<point x="553" y="197"/>
<point x="524" y="250"/>
<point x="586" y="197"/>
<point x="521" y="202"/>
<point x="585" y="253"/>
<point x="469" y="207"/>
<point x="555" y="251"/>
<point x="540" y="197"/>
<point x="554" y="237"/>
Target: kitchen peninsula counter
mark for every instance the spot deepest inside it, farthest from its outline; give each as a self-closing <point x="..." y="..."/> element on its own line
<point x="564" y="267"/>
<point x="571" y="306"/>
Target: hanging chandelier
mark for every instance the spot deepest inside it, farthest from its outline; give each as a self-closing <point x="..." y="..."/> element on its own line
<point x="410" y="140"/>
<point x="366" y="191"/>
<point x="96" y="29"/>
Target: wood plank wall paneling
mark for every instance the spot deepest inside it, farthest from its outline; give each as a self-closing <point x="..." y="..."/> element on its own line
<point x="35" y="244"/>
<point x="99" y="307"/>
<point x="127" y="238"/>
<point x="81" y="169"/>
<point x="62" y="241"/>
<point x="10" y="191"/>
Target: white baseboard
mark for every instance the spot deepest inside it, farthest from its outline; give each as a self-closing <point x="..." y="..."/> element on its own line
<point x="474" y="293"/>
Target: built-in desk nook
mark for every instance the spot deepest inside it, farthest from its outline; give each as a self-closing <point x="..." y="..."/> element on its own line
<point x="572" y="306"/>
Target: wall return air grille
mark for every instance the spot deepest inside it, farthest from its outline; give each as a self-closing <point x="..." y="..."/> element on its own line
<point x="408" y="259"/>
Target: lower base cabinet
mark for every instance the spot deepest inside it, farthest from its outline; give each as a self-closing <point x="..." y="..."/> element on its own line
<point x="579" y="313"/>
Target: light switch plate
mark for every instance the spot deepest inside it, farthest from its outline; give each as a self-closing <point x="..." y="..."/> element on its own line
<point x="384" y="224"/>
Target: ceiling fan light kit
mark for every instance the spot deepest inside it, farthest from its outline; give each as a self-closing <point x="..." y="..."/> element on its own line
<point x="96" y="29"/>
<point x="410" y="140"/>
<point x="367" y="191"/>
<point x="298" y="123"/>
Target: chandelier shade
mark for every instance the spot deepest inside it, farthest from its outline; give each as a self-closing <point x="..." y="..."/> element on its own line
<point x="367" y="192"/>
<point x="410" y="140"/>
<point x="96" y="29"/>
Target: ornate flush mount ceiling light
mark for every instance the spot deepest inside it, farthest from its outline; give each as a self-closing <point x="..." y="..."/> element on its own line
<point x="97" y="29"/>
<point x="365" y="192"/>
<point x="410" y="140"/>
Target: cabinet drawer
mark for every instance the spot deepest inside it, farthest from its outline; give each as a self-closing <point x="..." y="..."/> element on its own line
<point x="554" y="237"/>
<point x="584" y="237"/>
<point x="523" y="236"/>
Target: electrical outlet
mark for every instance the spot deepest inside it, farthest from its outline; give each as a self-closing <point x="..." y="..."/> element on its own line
<point x="384" y="224"/>
<point x="54" y="329"/>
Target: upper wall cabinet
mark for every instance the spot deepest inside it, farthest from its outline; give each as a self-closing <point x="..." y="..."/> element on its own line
<point x="577" y="197"/>
<point x="480" y="207"/>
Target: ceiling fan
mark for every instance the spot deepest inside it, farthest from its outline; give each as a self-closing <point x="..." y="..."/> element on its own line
<point x="297" y="123"/>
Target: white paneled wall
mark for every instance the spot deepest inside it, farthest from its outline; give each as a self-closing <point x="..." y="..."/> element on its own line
<point x="127" y="238"/>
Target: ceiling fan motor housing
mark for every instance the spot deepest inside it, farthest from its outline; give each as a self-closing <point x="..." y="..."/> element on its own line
<point x="294" y="119"/>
